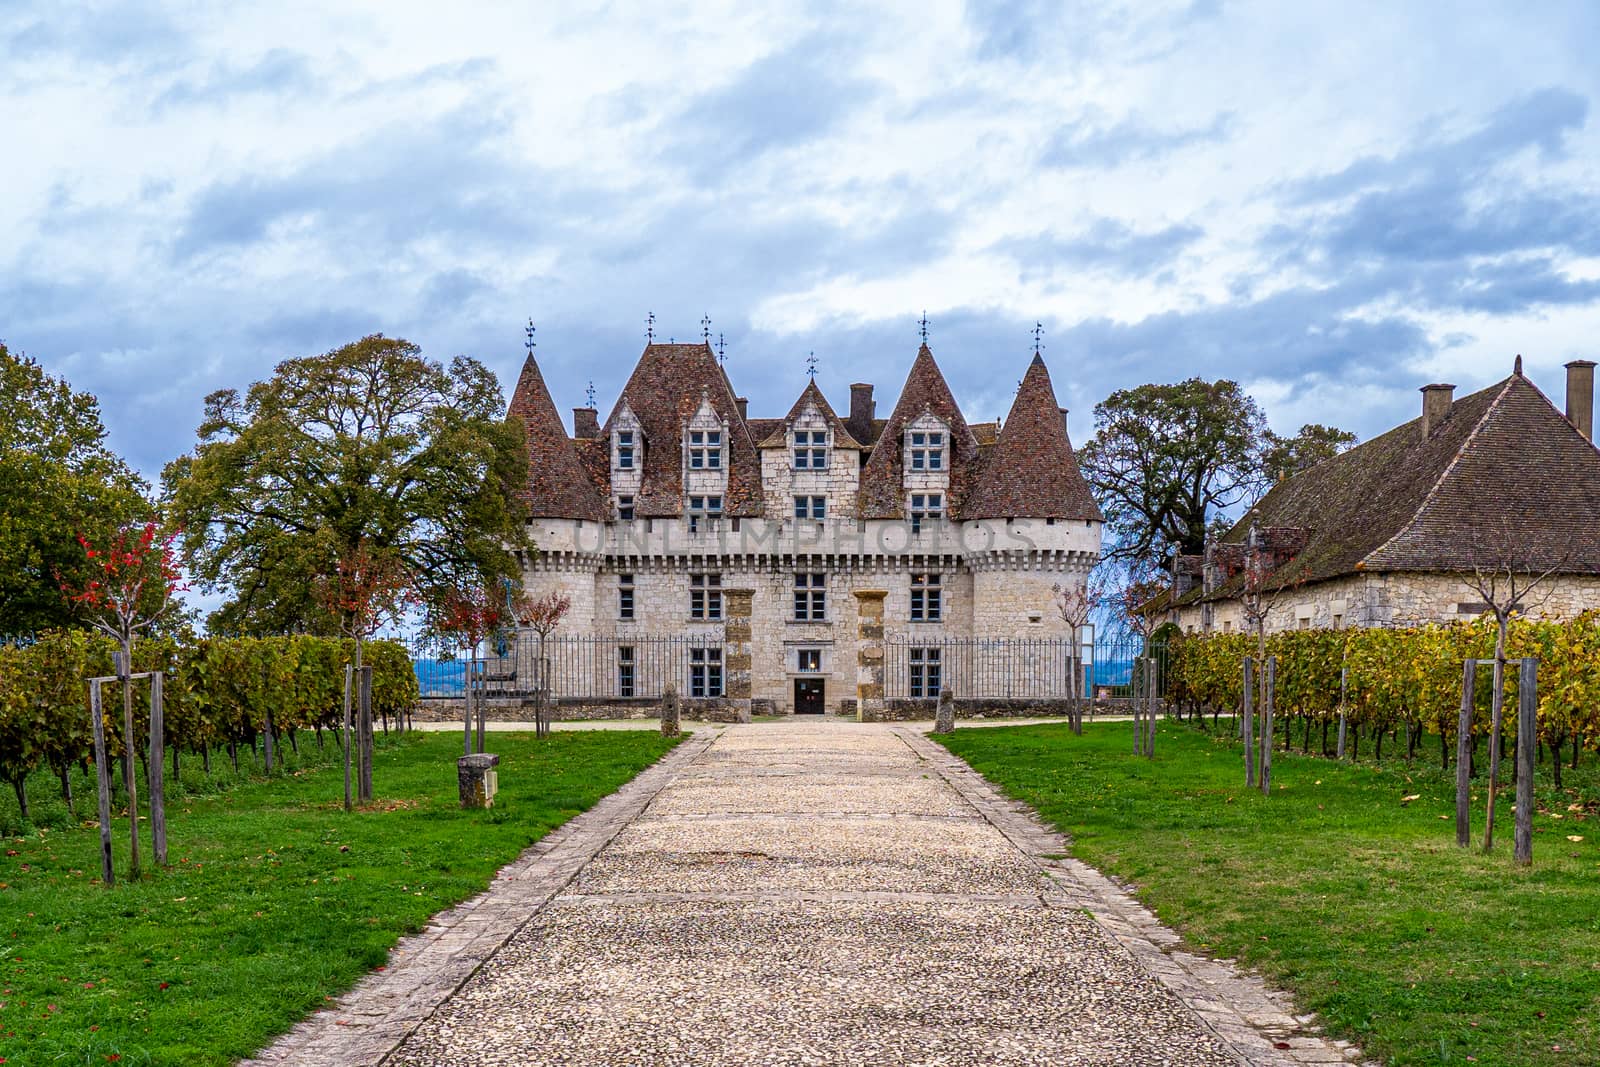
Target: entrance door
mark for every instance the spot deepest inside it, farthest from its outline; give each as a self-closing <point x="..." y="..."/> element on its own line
<point x="808" y="696"/>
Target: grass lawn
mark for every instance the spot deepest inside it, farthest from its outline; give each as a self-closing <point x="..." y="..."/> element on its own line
<point x="276" y="898"/>
<point x="1338" y="890"/>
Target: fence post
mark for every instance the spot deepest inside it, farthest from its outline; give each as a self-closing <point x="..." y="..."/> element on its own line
<point x="1527" y="739"/>
<point x="158" y="800"/>
<point x="102" y="777"/>
<point x="1247" y="720"/>
<point x="1469" y="682"/>
<point x="869" y="655"/>
<point x="1266" y="725"/>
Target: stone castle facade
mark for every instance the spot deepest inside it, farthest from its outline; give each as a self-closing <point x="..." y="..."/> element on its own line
<point x="787" y="549"/>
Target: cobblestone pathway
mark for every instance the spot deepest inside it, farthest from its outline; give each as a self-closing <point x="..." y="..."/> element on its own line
<point x="806" y="893"/>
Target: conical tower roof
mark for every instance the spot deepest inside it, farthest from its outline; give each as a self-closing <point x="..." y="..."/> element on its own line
<point x="558" y="485"/>
<point x="882" y="478"/>
<point x="1031" y="473"/>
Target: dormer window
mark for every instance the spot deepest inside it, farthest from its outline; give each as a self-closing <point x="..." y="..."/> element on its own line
<point x="624" y="450"/>
<point x="704" y="511"/>
<point x="624" y="508"/>
<point x="925" y="506"/>
<point x="927" y="451"/>
<point x="705" y="450"/>
<point x="810" y="450"/>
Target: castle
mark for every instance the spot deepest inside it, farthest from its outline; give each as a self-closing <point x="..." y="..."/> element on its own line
<point x="795" y="538"/>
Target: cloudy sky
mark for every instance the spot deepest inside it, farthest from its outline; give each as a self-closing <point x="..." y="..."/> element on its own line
<point x="1333" y="203"/>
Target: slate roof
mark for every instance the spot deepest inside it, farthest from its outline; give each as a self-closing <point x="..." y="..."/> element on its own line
<point x="777" y="436"/>
<point x="1031" y="473"/>
<point x="664" y="393"/>
<point x="558" y="485"/>
<point x="882" y="478"/>
<point x="1400" y="502"/>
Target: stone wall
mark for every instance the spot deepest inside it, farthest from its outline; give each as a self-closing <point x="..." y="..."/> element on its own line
<point x="1392" y="599"/>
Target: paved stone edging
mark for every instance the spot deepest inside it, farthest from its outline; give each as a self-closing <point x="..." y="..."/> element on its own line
<point x="369" y="1022"/>
<point x="1235" y="1005"/>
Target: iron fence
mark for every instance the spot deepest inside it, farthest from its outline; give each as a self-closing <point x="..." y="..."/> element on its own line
<point x="586" y="667"/>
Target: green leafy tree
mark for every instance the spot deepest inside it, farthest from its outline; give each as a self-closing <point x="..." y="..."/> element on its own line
<point x="369" y="447"/>
<point x="57" y="480"/>
<point x="1288" y="456"/>
<point x="1165" y="458"/>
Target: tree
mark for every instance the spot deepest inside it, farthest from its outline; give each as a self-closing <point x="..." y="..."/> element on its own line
<point x="463" y="619"/>
<point x="1164" y="458"/>
<point x="363" y="589"/>
<point x="542" y="615"/>
<point x="1076" y="604"/>
<point x="1287" y="456"/>
<point x="1513" y="577"/>
<point x="57" y="480"/>
<point x="1167" y="460"/>
<point x="132" y="581"/>
<point x="367" y="448"/>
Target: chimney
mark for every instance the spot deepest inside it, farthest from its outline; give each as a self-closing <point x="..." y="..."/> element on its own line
<point x="862" y="409"/>
<point x="1436" y="401"/>
<point x="1064" y="423"/>
<point x="1580" y="396"/>
<point x="744" y="407"/>
<point x="585" y="422"/>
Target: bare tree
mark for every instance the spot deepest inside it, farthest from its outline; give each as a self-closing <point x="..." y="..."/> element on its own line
<point x="542" y="615"/>
<point x="1513" y="577"/>
<point x="1076" y="604"/>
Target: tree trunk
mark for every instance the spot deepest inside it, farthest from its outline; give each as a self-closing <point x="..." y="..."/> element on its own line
<point x="65" y="773"/>
<point x="1555" y="758"/>
<point x="19" y="785"/>
<point x="294" y="744"/>
<point x="205" y="757"/>
<point x="1377" y="752"/>
<point x="127" y="744"/>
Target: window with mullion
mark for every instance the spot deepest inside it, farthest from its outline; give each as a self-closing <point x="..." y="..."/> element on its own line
<point x="624" y="670"/>
<point x="702" y="508"/>
<point x="925" y="506"/>
<point x="705" y="597"/>
<point x="810" y="597"/>
<point x="927" y="451"/>
<point x="705" y="450"/>
<point x="924" y="673"/>
<point x="705" y="672"/>
<point x="810" y="450"/>
<point x="625" y="450"/>
<point x="810" y="507"/>
<point x="625" y="596"/>
<point x="927" y="598"/>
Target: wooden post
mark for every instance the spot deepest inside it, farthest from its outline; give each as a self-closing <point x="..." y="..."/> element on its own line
<point x="1469" y="683"/>
<point x="1138" y="686"/>
<point x="125" y="676"/>
<point x="1266" y="725"/>
<point x="266" y="734"/>
<point x="346" y="732"/>
<point x="483" y="703"/>
<point x="102" y="776"/>
<point x="1344" y="678"/>
<point x="158" y="798"/>
<point x="364" y="735"/>
<point x="1527" y="739"/>
<point x="1247" y="719"/>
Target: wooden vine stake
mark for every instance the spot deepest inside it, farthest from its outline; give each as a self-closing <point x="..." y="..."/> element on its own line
<point x="1266" y="725"/>
<point x="1469" y="682"/>
<point x="1247" y="719"/>
<point x="1527" y="740"/>
<point x="102" y="777"/>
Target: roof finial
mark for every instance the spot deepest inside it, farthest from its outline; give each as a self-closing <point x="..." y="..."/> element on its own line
<point x="1038" y="338"/>
<point x="1516" y="368"/>
<point x="589" y="392"/>
<point x="529" y="332"/>
<point x="705" y="329"/>
<point x="924" y="322"/>
<point x="650" y="328"/>
<point x="722" y="355"/>
<point x="811" y="365"/>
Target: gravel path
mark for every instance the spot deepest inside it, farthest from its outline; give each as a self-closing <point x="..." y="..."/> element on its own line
<point x="805" y="893"/>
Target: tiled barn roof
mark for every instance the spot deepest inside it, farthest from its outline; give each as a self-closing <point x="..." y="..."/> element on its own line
<point x="1031" y="473"/>
<point x="1503" y="469"/>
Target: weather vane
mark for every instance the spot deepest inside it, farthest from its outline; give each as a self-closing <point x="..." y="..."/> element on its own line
<point x="529" y="343"/>
<point x="1038" y="338"/>
<point x="924" y="322"/>
<point x="589" y="392"/>
<point x="705" y="328"/>
<point x="650" y="328"/>
<point x="811" y="365"/>
<point x="722" y="355"/>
